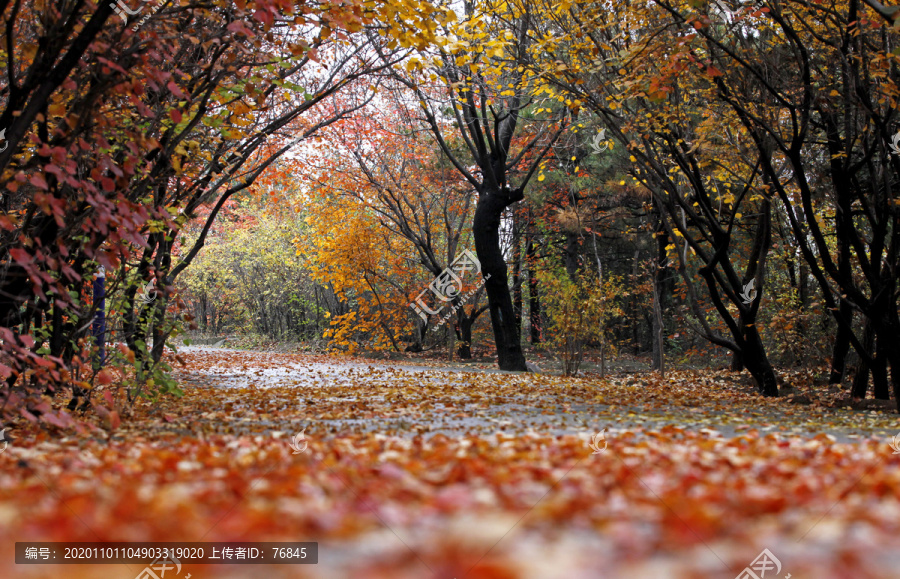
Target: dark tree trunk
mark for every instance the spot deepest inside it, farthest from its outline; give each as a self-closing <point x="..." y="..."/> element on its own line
<point x="754" y="357"/>
<point x="893" y="356"/>
<point x="879" y="369"/>
<point x="486" y="231"/>
<point x="845" y="312"/>
<point x="841" y="346"/>
<point x="637" y="345"/>
<point x="464" y="333"/>
<point x="659" y="273"/>
<point x="657" y="324"/>
<point x="861" y="380"/>
<point x="204" y="327"/>
<point x="571" y="254"/>
<point x="534" y="300"/>
<point x="517" y="281"/>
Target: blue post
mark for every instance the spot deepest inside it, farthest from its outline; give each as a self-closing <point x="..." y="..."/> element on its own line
<point x="99" y="325"/>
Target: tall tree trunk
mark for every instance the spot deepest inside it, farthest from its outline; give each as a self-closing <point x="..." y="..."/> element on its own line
<point x="842" y="337"/>
<point x="571" y="254"/>
<point x="635" y="315"/>
<point x="893" y="357"/>
<point x="486" y="231"/>
<point x="737" y="362"/>
<point x="534" y="300"/>
<point x="464" y="332"/>
<point x="658" y="343"/>
<point x="861" y="380"/>
<point x="204" y="326"/>
<point x="879" y="368"/>
<point x="659" y="274"/>
<point x="517" y="278"/>
<point x="841" y="346"/>
<point x="754" y="357"/>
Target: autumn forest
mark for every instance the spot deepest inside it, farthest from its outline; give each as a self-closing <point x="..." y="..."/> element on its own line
<point x="495" y="289"/>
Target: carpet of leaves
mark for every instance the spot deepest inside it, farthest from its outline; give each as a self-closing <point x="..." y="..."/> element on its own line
<point x="421" y="473"/>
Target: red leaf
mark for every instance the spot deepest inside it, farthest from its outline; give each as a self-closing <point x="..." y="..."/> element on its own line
<point x="39" y="182"/>
<point x="240" y="27"/>
<point x="176" y="90"/>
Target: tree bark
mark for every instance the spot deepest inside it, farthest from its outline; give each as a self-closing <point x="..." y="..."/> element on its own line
<point x="893" y="356"/>
<point x="861" y="380"/>
<point x="464" y="331"/>
<point x="534" y="299"/>
<point x="879" y="369"/>
<point x="841" y="346"/>
<point x="754" y="357"/>
<point x="571" y="254"/>
<point x="517" y="279"/>
<point x="486" y="231"/>
<point x="658" y="343"/>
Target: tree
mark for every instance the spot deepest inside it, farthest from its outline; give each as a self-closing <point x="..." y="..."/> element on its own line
<point x="636" y="83"/>
<point x="476" y="81"/>
<point x="376" y="168"/>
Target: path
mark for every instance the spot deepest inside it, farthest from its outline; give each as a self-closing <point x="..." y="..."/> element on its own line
<point x="443" y="400"/>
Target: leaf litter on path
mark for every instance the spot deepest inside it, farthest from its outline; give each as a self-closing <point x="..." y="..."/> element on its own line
<point x="423" y="473"/>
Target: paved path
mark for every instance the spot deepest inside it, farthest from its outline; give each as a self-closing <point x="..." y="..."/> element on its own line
<point x="360" y="397"/>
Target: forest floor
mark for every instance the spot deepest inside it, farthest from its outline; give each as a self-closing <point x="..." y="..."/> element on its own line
<point x="412" y="470"/>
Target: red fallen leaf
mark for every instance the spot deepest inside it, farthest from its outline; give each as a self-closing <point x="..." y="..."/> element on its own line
<point x="108" y="418"/>
<point x="167" y="418"/>
<point x="60" y="419"/>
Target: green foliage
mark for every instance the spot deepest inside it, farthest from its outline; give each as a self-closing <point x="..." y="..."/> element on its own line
<point x="248" y="279"/>
<point x="581" y="309"/>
